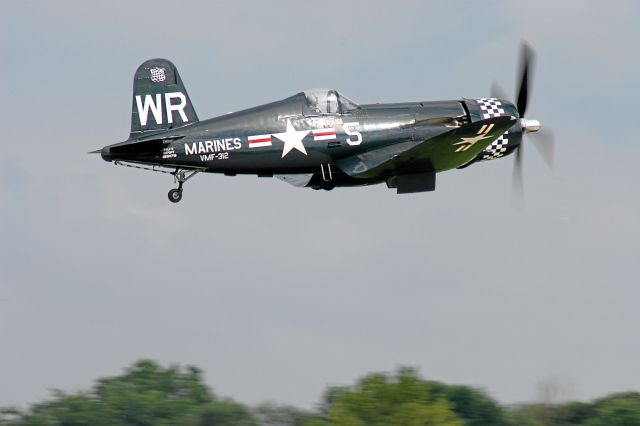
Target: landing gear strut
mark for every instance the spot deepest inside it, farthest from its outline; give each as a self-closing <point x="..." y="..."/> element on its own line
<point x="180" y="176"/>
<point x="327" y="178"/>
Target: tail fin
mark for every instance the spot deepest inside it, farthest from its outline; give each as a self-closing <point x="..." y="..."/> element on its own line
<point x="160" y="101"/>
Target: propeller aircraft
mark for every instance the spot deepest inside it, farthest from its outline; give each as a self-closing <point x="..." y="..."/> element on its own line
<point x="319" y="138"/>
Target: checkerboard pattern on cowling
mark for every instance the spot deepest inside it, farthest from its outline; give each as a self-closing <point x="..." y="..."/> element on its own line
<point x="490" y="107"/>
<point x="497" y="148"/>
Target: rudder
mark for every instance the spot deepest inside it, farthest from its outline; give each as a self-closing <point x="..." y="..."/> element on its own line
<point x="160" y="100"/>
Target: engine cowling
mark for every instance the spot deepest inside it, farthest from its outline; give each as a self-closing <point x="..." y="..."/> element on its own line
<point x="483" y="108"/>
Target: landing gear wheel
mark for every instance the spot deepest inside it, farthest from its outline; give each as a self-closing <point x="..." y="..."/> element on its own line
<point x="180" y="176"/>
<point x="175" y="195"/>
<point x="328" y="186"/>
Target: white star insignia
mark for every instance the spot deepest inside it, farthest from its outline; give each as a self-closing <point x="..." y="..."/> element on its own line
<point x="292" y="138"/>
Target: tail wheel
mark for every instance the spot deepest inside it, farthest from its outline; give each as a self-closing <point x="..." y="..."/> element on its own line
<point x="175" y="195"/>
<point x="180" y="176"/>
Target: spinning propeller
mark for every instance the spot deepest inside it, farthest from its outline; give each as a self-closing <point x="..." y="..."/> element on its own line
<point x="544" y="141"/>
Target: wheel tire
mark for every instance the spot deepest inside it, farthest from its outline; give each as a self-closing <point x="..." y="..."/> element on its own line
<point x="175" y="195"/>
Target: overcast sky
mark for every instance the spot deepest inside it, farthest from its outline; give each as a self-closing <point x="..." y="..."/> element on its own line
<point x="277" y="292"/>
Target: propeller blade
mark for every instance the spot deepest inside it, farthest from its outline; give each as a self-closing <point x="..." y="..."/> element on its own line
<point x="527" y="59"/>
<point x="545" y="142"/>
<point x="497" y="92"/>
<point x="517" y="186"/>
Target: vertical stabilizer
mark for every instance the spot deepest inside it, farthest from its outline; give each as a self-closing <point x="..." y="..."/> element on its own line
<point x="160" y="100"/>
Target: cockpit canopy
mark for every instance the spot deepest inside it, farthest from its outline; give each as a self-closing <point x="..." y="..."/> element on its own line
<point x="328" y="101"/>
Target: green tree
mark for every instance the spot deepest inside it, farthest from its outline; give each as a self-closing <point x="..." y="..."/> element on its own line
<point x="149" y="394"/>
<point x="146" y="394"/>
<point x="613" y="410"/>
<point x="530" y="415"/>
<point x="269" y="414"/>
<point x="621" y="409"/>
<point x="399" y="399"/>
<point x="220" y="413"/>
<point x="573" y="413"/>
<point x="474" y="406"/>
<point x="67" y="410"/>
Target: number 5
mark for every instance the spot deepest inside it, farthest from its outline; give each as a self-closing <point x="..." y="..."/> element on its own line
<point x="349" y="129"/>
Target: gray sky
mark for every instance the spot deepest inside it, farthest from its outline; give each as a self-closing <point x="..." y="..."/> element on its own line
<point x="277" y="292"/>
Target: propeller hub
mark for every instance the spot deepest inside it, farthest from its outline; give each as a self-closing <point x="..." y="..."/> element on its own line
<point x="530" y="126"/>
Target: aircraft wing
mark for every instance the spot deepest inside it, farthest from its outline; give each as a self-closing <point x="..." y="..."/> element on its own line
<point x="446" y="151"/>
<point x="296" y="180"/>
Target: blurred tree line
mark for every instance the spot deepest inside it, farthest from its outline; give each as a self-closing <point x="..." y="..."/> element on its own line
<point x="148" y="394"/>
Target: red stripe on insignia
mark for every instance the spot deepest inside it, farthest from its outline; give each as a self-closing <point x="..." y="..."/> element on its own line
<point x="324" y="133"/>
<point x="260" y="140"/>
